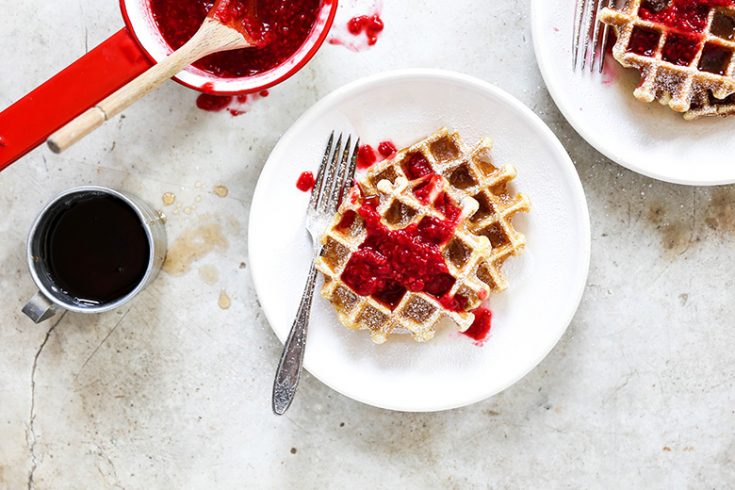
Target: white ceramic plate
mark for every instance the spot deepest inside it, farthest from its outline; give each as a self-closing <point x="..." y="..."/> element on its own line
<point x="546" y="282"/>
<point x="647" y="138"/>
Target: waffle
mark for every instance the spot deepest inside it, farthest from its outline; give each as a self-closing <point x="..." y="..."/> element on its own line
<point x="482" y="241"/>
<point x="470" y="173"/>
<point x="688" y="70"/>
<point x="709" y="105"/>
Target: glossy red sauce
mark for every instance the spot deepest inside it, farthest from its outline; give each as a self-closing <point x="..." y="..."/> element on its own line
<point x="235" y="105"/>
<point x="366" y="157"/>
<point x="686" y="16"/>
<point x="680" y="49"/>
<point x="243" y="15"/>
<point x="687" y="19"/>
<point x="348" y="219"/>
<point x="480" y="328"/>
<point x="386" y="149"/>
<point x="643" y="41"/>
<point x="417" y="166"/>
<point x="213" y="103"/>
<point x="306" y="182"/>
<point x="391" y="262"/>
<point x="427" y="188"/>
<point x="370" y="25"/>
<point x="286" y="24"/>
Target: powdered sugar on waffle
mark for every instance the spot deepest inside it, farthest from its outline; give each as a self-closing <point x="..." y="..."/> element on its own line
<point x="686" y="60"/>
<point x="483" y="236"/>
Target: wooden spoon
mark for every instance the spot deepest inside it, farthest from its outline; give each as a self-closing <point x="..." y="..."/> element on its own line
<point x="231" y="24"/>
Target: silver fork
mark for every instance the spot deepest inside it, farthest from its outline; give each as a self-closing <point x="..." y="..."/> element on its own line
<point x="589" y="39"/>
<point x="333" y="182"/>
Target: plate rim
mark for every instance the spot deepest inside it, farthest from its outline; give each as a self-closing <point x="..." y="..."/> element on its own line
<point x="593" y="140"/>
<point x="538" y="125"/>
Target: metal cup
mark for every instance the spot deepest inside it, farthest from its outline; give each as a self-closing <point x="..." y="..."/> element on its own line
<point x="51" y="299"/>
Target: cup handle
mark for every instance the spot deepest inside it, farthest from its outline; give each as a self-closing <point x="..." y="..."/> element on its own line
<point x="29" y="122"/>
<point x="39" y="308"/>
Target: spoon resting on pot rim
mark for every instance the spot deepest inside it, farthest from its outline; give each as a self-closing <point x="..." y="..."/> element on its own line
<point x="230" y="25"/>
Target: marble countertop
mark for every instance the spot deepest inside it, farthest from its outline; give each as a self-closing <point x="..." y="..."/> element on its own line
<point x="172" y="391"/>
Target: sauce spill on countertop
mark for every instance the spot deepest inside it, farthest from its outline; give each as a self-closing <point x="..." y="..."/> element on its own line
<point x="224" y="301"/>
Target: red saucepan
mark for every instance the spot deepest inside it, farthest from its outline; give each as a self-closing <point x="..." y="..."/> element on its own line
<point x="128" y="53"/>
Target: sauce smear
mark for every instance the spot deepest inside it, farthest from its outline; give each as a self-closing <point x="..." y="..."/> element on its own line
<point x="480" y="328"/>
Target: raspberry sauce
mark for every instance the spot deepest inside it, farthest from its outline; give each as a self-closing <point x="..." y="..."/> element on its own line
<point x="686" y="16"/>
<point x="686" y="19"/>
<point x="286" y="23"/>
<point x="480" y="328"/>
<point x="371" y="25"/>
<point x="306" y="182"/>
<point x="391" y="262"/>
<point x="386" y="149"/>
<point x="366" y="157"/>
<point x="235" y="105"/>
<point x="213" y="103"/>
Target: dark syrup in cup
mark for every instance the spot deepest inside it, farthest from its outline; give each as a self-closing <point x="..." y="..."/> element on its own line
<point x="96" y="249"/>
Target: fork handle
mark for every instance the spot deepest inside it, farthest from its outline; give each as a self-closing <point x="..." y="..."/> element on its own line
<point x="292" y="359"/>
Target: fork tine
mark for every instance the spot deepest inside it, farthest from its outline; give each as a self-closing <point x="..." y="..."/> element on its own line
<point x="582" y="32"/>
<point x="343" y="164"/>
<point x="331" y="173"/>
<point x="577" y="36"/>
<point x="603" y="44"/>
<point x="596" y="34"/>
<point x="336" y="195"/>
<point x="317" y="191"/>
<point x="350" y="174"/>
<point x="588" y="30"/>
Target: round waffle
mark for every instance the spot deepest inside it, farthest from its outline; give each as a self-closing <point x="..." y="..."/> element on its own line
<point x="683" y="49"/>
<point x="483" y="236"/>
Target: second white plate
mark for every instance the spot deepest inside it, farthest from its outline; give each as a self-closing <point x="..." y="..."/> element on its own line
<point x="647" y="138"/>
<point x="546" y="282"/>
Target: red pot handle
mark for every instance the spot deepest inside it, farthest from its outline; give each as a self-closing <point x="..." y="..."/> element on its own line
<point x="30" y="121"/>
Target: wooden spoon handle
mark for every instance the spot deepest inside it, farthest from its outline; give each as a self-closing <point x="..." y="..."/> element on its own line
<point x="212" y="37"/>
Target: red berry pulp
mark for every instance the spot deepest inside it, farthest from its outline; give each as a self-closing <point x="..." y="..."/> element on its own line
<point x="643" y="41"/>
<point x="243" y="15"/>
<point x="213" y="103"/>
<point x="391" y="262"/>
<point x="686" y="16"/>
<point x="427" y="188"/>
<point x="417" y="166"/>
<point x="371" y="25"/>
<point x="480" y="328"/>
<point x="287" y="24"/>
<point x="686" y="19"/>
<point x="366" y="157"/>
<point x="386" y="149"/>
<point x="306" y="182"/>
<point x="680" y="49"/>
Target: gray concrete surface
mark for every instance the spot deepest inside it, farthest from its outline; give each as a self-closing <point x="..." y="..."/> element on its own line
<point x="172" y="391"/>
